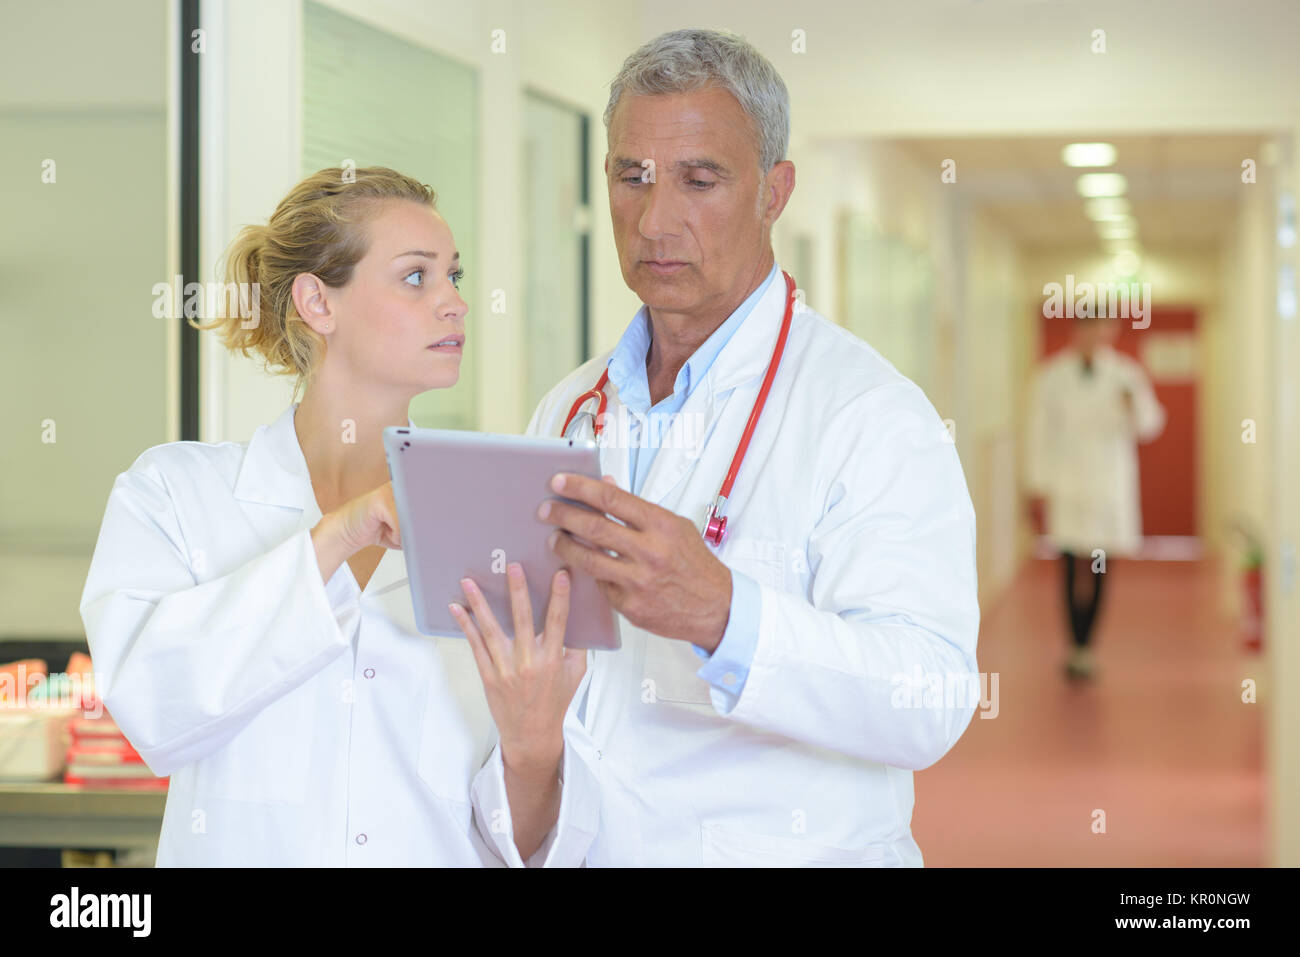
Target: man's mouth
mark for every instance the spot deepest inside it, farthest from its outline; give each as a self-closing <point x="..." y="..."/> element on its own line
<point x="664" y="267"/>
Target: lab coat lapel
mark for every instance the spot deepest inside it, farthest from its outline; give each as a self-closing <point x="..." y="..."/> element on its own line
<point x="274" y="472"/>
<point x="709" y="414"/>
<point x="682" y="445"/>
<point x="614" y="457"/>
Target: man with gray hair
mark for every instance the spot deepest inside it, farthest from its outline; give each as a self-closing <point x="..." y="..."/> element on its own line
<point x="774" y="691"/>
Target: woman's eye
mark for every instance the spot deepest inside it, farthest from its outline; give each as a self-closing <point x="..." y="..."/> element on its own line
<point x="418" y="272"/>
<point x="456" y="277"/>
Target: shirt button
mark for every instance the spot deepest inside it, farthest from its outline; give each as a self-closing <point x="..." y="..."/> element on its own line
<point x="369" y="672"/>
<point x="361" y="839"/>
<point x="728" y="679"/>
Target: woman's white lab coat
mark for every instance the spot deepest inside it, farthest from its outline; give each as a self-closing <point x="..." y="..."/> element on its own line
<point x="1082" y="453"/>
<point x="302" y="723"/>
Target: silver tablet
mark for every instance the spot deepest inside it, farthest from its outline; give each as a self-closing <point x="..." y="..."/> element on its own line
<point x="467" y="503"/>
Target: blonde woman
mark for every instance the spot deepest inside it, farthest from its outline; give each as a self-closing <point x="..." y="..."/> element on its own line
<point x="247" y="606"/>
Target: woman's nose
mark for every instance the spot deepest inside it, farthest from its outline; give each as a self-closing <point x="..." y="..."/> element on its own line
<point x="457" y="308"/>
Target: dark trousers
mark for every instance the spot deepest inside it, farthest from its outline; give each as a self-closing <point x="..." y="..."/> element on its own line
<point x="1082" y="614"/>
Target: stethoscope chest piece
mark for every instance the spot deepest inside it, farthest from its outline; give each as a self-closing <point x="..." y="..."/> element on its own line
<point x="715" y="529"/>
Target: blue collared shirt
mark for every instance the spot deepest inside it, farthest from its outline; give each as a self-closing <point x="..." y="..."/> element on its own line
<point x="728" y="667"/>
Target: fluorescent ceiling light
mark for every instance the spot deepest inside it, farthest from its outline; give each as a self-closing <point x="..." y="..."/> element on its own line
<point x="1127" y="262"/>
<point x="1112" y="246"/>
<point x="1121" y="229"/>
<point x="1106" y="208"/>
<point x="1091" y="185"/>
<point x="1088" y="154"/>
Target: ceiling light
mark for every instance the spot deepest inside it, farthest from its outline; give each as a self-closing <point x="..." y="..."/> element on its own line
<point x="1092" y="185"/>
<point x="1120" y="229"/>
<point x="1106" y="208"/>
<point x="1127" y="262"/>
<point x="1112" y="247"/>
<point x="1088" y="154"/>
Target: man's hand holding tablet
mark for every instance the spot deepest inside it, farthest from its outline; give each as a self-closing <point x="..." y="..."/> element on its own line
<point x="468" y="504"/>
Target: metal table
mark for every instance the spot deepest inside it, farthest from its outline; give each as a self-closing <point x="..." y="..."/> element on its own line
<point x="53" y="814"/>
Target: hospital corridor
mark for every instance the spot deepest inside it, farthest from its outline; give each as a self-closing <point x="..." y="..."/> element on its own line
<point x="994" y="396"/>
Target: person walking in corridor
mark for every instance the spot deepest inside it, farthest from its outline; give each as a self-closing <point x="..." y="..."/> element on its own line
<point x="1091" y="405"/>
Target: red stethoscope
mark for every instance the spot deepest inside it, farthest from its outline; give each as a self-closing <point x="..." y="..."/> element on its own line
<point x="716" y="525"/>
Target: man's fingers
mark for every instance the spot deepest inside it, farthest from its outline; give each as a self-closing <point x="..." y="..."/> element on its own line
<point x="593" y="561"/>
<point x="591" y="526"/>
<point x="604" y="497"/>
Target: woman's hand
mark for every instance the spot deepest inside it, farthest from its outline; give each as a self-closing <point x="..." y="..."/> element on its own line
<point x="529" y="682"/>
<point x="369" y="519"/>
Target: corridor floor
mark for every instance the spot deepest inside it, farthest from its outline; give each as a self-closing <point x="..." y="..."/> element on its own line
<point x="1160" y="740"/>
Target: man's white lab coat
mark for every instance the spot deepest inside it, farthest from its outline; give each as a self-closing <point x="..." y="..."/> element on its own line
<point x="1082" y="449"/>
<point x="852" y="515"/>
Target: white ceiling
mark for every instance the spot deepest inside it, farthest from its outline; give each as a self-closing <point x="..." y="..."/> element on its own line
<point x="1182" y="188"/>
<point x="996" y="67"/>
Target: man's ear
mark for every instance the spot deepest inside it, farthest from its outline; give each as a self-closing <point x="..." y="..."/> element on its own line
<point x="311" y="301"/>
<point x="777" y="185"/>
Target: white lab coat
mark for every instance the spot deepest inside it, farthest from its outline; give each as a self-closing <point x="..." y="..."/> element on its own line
<point x="1082" y="454"/>
<point x="852" y="514"/>
<point x="302" y="723"/>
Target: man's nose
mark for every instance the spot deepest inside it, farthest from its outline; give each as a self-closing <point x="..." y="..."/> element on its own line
<point x="660" y="217"/>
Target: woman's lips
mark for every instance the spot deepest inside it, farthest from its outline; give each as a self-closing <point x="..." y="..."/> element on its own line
<point x="453" y="346"/>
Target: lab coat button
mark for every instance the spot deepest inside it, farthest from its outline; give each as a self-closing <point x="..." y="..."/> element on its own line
<point x="361" y="839"/>
<point x="369" y="672"/>
<point x="728" y="679"/>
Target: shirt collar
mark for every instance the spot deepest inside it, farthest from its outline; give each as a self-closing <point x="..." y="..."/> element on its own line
<point x="627" y="369"/>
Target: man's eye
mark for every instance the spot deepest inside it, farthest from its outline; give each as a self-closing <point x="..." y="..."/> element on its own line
<point x="418" y="272"/>
<point x="633" y="178"/>
<point x="700" y="183"/>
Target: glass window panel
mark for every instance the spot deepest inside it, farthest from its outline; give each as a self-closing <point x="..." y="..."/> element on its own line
<point x="84" y="367"/>
<point x="379" y="100"/>
<point x="553" y="218"/>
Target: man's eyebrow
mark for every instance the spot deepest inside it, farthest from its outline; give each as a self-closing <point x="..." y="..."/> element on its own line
<point x="623" y="163"/>
<point x="426" y="254"/>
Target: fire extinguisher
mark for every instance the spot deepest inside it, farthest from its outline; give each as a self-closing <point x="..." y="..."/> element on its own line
<point x="1252" y="598"/>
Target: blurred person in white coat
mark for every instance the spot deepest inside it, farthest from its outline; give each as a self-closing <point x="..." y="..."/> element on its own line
<point x="759" y="711"/>
<point x="248" y="610"/>
<point x="1090" y="405"/>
